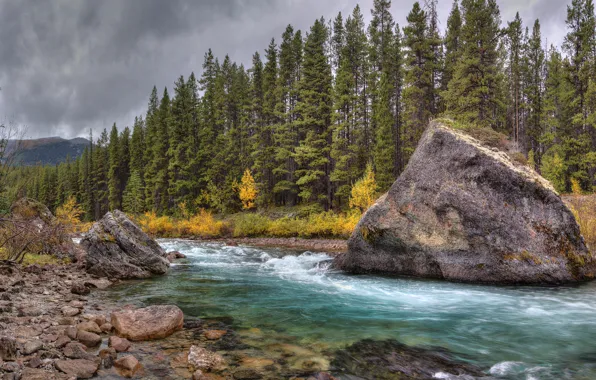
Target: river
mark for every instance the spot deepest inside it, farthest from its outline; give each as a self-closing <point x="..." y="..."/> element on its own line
<point x="526" y="333"/>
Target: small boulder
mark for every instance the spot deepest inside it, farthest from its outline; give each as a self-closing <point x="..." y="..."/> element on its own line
<point x="153" y="322"/>
<point x="89" y="326"/>
<point x="117" y="248"/>
<point x="80" y="289"/>
<point x="127" y="366"/>
<point x="71" y="332"/>
<point x="106" y="327"/>
<point x="108" y="356"/>
<point x="75" y="350"/>
<point x="69" y="311"/>
<point x="119" y="344"/>
<point x="89" y="339"/>
<point x="41" y="374"/>
<point x="32" y="346"/>
<point x="81" y="368"/>
<point x="8" y="348"/>
<point x="62" y="341"/>
<point x="204" y="360"/>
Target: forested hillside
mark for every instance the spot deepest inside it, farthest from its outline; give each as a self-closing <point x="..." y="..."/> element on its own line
<point x="46" y="151"/>
<point x="318" y="106"/>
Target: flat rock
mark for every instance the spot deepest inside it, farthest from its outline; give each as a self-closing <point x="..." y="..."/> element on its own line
<point x="127" y="366"/>
<point x="201" y="359"/>
<point x="32" y="346"/>
<point x="62" y="341"/>
<point x="81" y="368"/>
<point x="153" y="322"/>
<point x="75" y="350"/>
<point x="89" y="339"/>
<point x="464" y="211"/>
<point x="89" y="326"/>
<point x="214" y="334"/>
<point x="41" y="374"/>
<point x="69" y="311"/>
<point x="118" y="249"/>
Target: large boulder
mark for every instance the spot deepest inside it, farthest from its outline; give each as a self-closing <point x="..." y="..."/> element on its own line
<point x="153" y="322"/>
<point x="465" y="211"/>
<point x="117" y="248"/>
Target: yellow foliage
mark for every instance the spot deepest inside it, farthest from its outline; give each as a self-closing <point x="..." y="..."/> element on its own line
<point x="69" y="214"/>
<point x="584" y="210"/>
<point x="158" y="226"/>
<point x="576" y="187"/>
<point x="364" y="191"/>
<point x="248" y="190"/>
<point x="201" y="225"/>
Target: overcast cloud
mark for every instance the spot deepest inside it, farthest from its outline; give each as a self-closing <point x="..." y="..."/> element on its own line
<point x="67" y="66"/>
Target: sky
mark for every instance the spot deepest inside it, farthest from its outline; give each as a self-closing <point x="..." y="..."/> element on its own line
<point x="70" y="66"/>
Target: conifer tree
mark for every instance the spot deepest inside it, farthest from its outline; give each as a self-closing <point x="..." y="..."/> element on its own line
<point x="314" y="107"/>
<point x="452" y="44"/>
<point x="384" y="151"/>
<point x="114" y="159"/>
<point x="473" y="92"/>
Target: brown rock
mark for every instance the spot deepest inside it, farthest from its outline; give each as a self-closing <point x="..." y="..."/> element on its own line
<point x="89" y="339"/>
<point x="8" y="348"/>
<point x="34" y="362"/>
<point x="127" y="366"/>
<point x="40" y="374"/>
<point x="80" y="289"/>
<point x="75" y="350"/>
<point x="119" y="344"/>
<point x="153" y="322"/>
<point x="32" y="346"/>
<point x="106" y="327"/>
<point x="70" y="311"/>
<point x="66" y="321"/>
<point x="247" y="374"/>
<point x="61" y="341"/>
<point x="89" y="326"/>
<point x="71" y="332"/>
<point x="81" y="368"/>
<point x="102" y="283"/>
<point x="214" y="334"/>
<point x="108" y="356"/>
<point x="204" y="360"/>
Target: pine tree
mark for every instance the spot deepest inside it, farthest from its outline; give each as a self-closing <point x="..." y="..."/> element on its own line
<point x="534" y="63"/>
<point x="115" y="202"/>
<point x="473" y="93"/>
<point x="150" y="171"/>
<point x="452" y="45"/>
<point x="133" y="202"/>
<point x="419" y="86"/>
<point x="515" y="44"/>
<point x="384" y="151"/>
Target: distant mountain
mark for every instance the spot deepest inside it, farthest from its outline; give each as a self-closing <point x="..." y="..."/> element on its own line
<point x="47" y="151"/>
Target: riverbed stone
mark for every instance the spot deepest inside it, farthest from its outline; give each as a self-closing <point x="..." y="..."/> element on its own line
<point x="214" y="334"/>
<point x="81" y="368"/>
<point x="89" y="339"/>
<point x="42" y="374"/>
<point x="118" y="249"/>
<point x="153" y="322"/>
<point x="89" y="326"/>
<point x="69" y="311"/>
<point x="127" y="366"/>
<point x="465" y="211"/>
<point x="8" y="348"/>
<point x="32" y="346"/>
<point x="119" y="344"/>
<point x="202" y="359"/>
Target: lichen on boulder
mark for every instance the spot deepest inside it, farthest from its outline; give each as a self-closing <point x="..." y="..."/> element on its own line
<point x="117" y="248"/>
<point x="466" y="211"/>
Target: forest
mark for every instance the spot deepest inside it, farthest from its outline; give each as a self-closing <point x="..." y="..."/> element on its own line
<point x="304" y="122"/>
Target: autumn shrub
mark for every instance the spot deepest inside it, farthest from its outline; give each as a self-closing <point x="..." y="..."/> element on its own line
<point x="162" y="226"/>
<point x="69" y="214"/>
<point x="584" y="210"/>
<point x="287" y="227"/>
<point x="202" y="225"/>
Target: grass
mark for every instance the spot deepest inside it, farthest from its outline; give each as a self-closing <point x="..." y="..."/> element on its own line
<point x="41" y="260"/>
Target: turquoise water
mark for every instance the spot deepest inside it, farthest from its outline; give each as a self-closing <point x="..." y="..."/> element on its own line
<point x="511" y="332"/>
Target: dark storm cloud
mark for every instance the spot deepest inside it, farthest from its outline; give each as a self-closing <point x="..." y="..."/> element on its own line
<point x="67" y="66"/>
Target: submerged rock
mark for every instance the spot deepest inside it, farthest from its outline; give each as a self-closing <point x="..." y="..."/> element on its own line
<point x="204" y="360"/>
<point x="117" y="248"/>
<point x="463" y="211"/>
<point x="153" y="322"/>
<point x="393" y="360"/>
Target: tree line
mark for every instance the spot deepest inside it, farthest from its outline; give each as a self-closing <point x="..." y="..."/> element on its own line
<point x="317" y="108"/>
